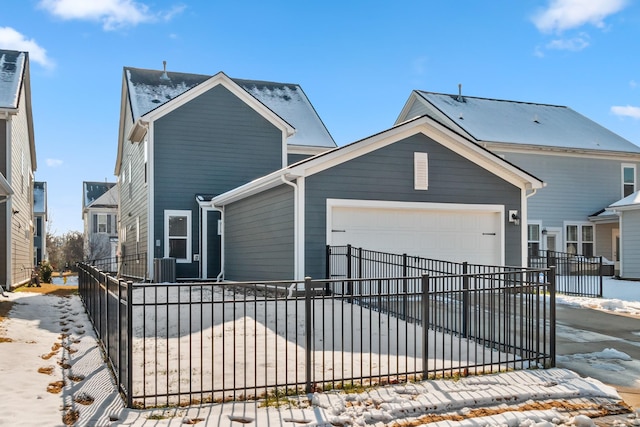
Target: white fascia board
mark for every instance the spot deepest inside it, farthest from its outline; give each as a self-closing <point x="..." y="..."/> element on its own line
<point x="436" y="132"/>
<point x="256" y="186"/>
<point x="138" y="131"/>
<point x="224" y="80"/>
<point x="311" y="150"/>
<point x="559" y="151"/>
<point x="124" y="98"/>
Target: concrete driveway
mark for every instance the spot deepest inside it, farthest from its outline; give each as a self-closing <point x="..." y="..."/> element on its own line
<point x="590" y="342"/>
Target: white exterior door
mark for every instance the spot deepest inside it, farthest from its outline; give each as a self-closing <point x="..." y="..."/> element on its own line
<point x="450" y="232"/>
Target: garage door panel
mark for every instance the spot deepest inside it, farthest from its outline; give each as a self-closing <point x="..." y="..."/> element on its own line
<point x="452" y="235"/>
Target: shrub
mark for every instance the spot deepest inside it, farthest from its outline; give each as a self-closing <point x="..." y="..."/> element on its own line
<point x="45" y="272"/>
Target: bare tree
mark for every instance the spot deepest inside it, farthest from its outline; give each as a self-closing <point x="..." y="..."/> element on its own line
<point x="99" y="247"/>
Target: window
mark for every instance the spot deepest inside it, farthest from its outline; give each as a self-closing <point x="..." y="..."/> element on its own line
<point x="628" y="180"/>
<point x="177" y="240"/>
<point x="533" y="240"/>
<point x="580" y="239"/>
<point x="421" y="171"/>
<point x="102" y="223"/>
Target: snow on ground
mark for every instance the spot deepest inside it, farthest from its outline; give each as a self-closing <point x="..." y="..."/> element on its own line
<point x="52" y="367"/>
<point x="619" y="296"/>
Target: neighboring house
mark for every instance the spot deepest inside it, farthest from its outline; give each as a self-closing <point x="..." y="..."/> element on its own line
<point x="40" y="222"/>
<point x="585" y="166"/>
<point x="418" y="188"/>
<point x="629" y="211"/>
<point x="184" y="138"/>
<point x="17" y="167"/>
<point x="100" y="218"/>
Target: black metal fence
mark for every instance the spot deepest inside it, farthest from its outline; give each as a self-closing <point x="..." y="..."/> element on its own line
<point x="177" y="344"/>
<point x="133" y="267"/>
<point x="576" y="274"/>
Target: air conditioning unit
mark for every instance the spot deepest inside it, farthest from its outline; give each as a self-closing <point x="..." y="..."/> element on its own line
<point x="164" y="270"/>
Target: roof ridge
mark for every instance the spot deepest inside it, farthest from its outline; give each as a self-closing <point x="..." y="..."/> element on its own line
<point x="492" y="99"/>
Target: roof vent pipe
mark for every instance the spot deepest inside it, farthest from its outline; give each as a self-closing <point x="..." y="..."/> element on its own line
<point x="460" y="98"/>
<point x="164" y="75"/>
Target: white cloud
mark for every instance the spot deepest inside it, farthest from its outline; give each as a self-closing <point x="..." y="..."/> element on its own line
<point x="563" y="15"/>
<point x="13" y="40"/>
<point x="54" y="163"/>
<point x="627" y="111"/>
<point x="574" y="44"/>
<point x="633" y="84"/>
<point x="113" y="14"/>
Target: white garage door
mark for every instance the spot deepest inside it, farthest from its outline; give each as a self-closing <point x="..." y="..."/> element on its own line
<point x="464" y="233"/>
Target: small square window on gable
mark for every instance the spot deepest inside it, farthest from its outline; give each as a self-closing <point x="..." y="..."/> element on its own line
<point x="420" y="171"/>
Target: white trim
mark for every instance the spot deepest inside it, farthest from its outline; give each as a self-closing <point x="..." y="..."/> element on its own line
<point x="178" y="213"/>
<point x="559" y="151"/>
<point x="310" y="150"/>
<point x="425" y="206"/>
<point x="301" y="267"/>
<point x="151" y="238"/>
<point x="420" y="171"/>
<point x="579" y="242"/>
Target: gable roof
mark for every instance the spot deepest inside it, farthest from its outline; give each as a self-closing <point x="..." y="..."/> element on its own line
<point x="12" y="66"/>
<point x="631" y="202"/>
<point x="15" y="78"/>
<point x="94" y="190"/>
<point x="424" y="125"/>
<point x="150" y="89"/>
<point x="520" y="123"/>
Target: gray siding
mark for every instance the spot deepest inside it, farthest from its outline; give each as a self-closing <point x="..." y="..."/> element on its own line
<point x="417" y="109"/>
<point x="134" y="196"/>
<point x="576" y="187"/>
<point x="259" y="236"/>
<point x="387" y="174"/>
<point x="604" y="240"/>
<point x="210" y="145"/>
<point x="630" y="245"/>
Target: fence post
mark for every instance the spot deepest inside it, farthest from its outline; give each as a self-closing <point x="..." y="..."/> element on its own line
<point x="327" y="268"/>
<point x="552" y="315"/>
<point x="404" y="287"/>
<point x="600" y="274"/>
<point x="308" y="324"/>
<point x="465" y="300"/>
<point x="349" y="275"/>
<point x="129" y="394"/>
<point x="425" y="326"/>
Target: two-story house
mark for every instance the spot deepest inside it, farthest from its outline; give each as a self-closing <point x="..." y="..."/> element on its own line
<point x="586" y="167"/>
<point x="100" y="219"/>
<point x="17" y="167"/>
<point x="184" y="138"/>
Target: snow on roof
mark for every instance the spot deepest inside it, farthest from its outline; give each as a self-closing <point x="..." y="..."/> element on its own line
<point x="493" y="120"/>
<point x="92" y="191"/>
<point x="12" y="64"/>
<point x="629" y="201"/>
<point x="149" y="89"/>
<point x="39" y="197"/>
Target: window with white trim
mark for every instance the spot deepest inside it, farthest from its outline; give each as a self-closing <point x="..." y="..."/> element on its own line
<point x="628" y="180"/>
<point x="177" y="235"/>
<point x="533" y="240"/>
<point x="420" y="171"/>
<point x="102" y="223"/>
<point x="579" y="239"/>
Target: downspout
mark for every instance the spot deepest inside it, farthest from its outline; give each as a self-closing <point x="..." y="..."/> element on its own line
<point x="220" y="276"/>
<point x="524" y="232"/>
<point x="296" y="267"/>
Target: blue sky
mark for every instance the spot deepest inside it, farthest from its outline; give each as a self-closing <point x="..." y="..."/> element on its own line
<point x="356" y="60"/>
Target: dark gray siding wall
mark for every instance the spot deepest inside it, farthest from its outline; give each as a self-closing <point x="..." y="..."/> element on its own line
<point x="576" y="187"/>
<point x="259" y="236"/>
<point x="387" y="174"/>
<point x="294" y="158"/>
<point x="210" y="145"/>
<point x="134" y="195"/>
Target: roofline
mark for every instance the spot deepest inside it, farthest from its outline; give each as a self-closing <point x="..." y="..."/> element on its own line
<point x="219" y="79"/>
<point x="424" y="124"/>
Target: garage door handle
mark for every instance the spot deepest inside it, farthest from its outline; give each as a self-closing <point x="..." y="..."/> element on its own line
<point x="338" y="231"/>
<point x="488" y="234"/>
